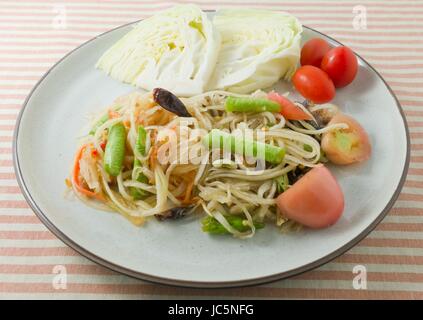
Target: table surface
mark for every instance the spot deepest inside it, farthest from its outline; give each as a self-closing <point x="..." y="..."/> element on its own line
<point x="34" y="34"/>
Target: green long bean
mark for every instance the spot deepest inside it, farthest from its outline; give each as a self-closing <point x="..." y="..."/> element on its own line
<point x="115" y="149"/>
<point x="212" y="226"/>
<point x="241" y="104"/>
<point x="222" y="140"/>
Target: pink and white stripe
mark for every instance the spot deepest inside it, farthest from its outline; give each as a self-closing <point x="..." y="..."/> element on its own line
<point x="31" y="42"/>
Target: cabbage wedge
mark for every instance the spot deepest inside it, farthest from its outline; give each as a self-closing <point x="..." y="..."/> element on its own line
<point x="176" y="49"/>
<point x="258" y="48"/>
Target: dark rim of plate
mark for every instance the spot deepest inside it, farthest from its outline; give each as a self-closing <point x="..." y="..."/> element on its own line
<point x="201" y="284"/>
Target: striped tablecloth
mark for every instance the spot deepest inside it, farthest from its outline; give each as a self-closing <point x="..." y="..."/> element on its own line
<point x="34" y="34"/>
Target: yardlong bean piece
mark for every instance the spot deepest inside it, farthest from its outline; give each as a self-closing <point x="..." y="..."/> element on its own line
<point x="241" y="104"/>
<point x="220" y="139"/>
<point x="115" y="149"/>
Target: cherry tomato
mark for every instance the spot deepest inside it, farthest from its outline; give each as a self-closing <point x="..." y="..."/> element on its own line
<point x="316" y="200"/>
<point x="314" y="84"/>
<point x="313" y="52"/>
<point x="345" y="146"/>
<point x="289" y="110"/>
<point x="341" y="65"/>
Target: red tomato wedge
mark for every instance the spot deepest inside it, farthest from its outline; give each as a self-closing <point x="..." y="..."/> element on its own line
<point x="289" y="110"/>
<point x="346" y="146"/>
<point x="315" y="201"/>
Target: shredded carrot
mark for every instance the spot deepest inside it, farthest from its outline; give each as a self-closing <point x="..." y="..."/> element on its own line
<point x="174" y="180"/>
<point x="113" y="114"/>
<point x="154" y="118"/>
<point x="154" y="135"/>
<point x="137" y="114"/>
<point x="189" y="181"/>
<point x="153" y="157"/>
<point x="188" y="192"/>
<point x="77" y="181"/>
<point x="137" y="110"/>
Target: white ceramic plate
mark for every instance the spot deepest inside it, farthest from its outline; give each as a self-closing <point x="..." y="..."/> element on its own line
<point x="179" y="252"/>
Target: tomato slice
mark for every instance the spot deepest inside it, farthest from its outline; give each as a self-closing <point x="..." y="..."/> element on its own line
<point x="315" y="201"/>
<point x="346" y="146"/>
<point x="289" y="110"/>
